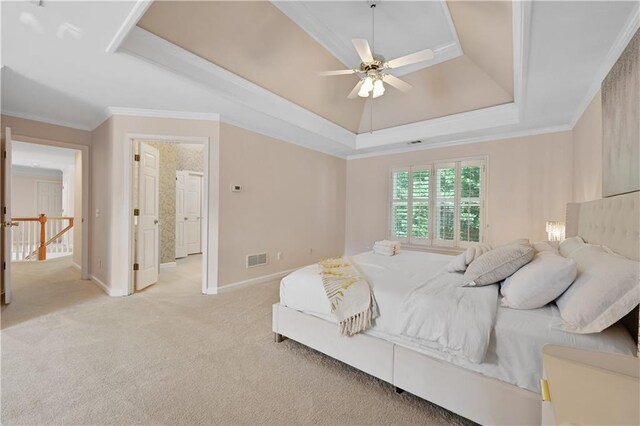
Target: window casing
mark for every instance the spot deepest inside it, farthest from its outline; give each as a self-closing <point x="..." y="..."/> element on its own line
<point x="440" y="204"/>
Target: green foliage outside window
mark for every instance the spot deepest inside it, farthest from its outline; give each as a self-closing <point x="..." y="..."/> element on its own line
<point x="445" y="193"/>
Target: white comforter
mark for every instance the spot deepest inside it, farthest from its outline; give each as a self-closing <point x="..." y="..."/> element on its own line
<point x="514" y="354"/>
<point x="443" y="315"/>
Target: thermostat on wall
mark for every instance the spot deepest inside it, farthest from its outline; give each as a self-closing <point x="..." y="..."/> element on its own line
<point x="236" y="188"/>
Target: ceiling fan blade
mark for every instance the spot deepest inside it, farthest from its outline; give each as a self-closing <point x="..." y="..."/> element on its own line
<point x="336" y="72"/>
<point x="414" y="58"/>
<point x="363" y="49"/>
<point x="394" y="81"/>
<point x="354" y="92"/>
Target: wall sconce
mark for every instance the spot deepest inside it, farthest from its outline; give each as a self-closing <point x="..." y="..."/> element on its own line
<point x="555" y="230"/>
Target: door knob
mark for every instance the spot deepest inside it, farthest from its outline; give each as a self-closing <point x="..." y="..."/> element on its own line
<point x="9" y="224"/>
<point x="155" y="222"/>
<point x="186" y="218"/>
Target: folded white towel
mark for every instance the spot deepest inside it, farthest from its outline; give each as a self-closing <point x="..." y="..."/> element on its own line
<point x="386" y="249"/>
<point x="387" y="243"/>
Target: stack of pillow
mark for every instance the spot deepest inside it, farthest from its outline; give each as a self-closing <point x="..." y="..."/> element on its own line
<point x="592" y="286"/>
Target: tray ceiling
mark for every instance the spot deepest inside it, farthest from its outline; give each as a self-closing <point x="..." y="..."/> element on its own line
<point x="282" y="52"/>
<point x="401" y="28"/>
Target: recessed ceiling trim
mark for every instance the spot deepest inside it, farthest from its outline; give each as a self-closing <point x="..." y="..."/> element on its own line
<point x="137" y="11"/>
<point x="465" y="140"/>
<point x="480" y="119"/>
<point x="299" y="13"/>
<point x="152" y="48"/>
<point x="628" y="31"/>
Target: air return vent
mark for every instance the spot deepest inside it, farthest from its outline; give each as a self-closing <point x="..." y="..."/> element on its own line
<point x="258" y="259"/>
<point x="414" y="142"/>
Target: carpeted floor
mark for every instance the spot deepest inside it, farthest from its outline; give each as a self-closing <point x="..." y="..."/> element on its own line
<point x="169" y="355"/>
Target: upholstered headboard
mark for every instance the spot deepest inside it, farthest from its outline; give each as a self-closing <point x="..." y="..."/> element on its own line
<point x="613" y="222"/>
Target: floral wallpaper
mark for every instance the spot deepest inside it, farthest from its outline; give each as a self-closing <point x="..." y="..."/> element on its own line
<point x="167" y="200"/>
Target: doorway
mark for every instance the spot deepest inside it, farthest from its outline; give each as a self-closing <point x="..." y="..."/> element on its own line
<point x="44" y="200"/>
<point x="169" y="223"/>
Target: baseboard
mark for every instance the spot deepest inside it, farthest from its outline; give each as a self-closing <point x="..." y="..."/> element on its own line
<point x="76" y="266"/>
<point x="168" y="265"/>
<point x="106" y="288"/>
<point x="253" y="281"/>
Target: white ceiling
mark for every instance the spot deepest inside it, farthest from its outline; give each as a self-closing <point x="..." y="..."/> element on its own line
<point x="423" y="24"/>
<point x="42" y="156"/>
<point x="56" y="69"/>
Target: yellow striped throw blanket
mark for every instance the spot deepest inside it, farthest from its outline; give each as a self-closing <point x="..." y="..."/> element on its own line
<point x="349" y="294"/>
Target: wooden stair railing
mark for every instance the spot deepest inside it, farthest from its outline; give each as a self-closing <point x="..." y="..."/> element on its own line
<point x="41" y="251"/>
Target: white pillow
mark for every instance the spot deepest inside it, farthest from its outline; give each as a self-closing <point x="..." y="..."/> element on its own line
<point x="607" y="288"/>
<point x="569" y="245"/>
<point x="497" y="264"/>
<point x="464" y="259"/>
<point x="538" y="282"/>
<point x="546" y="246"/>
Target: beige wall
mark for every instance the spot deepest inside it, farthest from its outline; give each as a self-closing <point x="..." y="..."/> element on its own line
<point x="110" y="238"/>
<point x="24" y="192"/>
<point x="587" y="153"/>
<point x="529" y="181"/>
<point x="293" y="201"/>
<point x="28" y="130"/>
<point x="100" y="205"/>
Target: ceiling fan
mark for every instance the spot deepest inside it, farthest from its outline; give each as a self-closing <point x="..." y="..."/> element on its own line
<point x="374" y="69"/>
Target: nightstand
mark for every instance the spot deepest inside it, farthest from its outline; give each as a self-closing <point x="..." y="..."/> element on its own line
<point x="587" y="387"/>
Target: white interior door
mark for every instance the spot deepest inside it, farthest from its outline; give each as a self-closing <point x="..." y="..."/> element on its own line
<point x="49" y="198"/>
<point x="147" y="253"/>
<point x="181" y="218"/>
<point x="7" y="224"/>
<point x="193" y="212"/>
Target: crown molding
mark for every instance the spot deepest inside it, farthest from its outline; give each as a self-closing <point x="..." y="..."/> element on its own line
<point x="47" y="120"/>
<point x="480" y="119"/>
<point x="155" y="113"/>
<point x="137" y="12"/>
<point x="465" y="141"/>
<point x="623" y="39"/>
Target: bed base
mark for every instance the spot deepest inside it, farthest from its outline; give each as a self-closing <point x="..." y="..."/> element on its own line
<point x="479" y="398"/>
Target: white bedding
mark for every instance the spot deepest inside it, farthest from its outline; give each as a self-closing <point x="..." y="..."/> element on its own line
<point x="514" y="354"/>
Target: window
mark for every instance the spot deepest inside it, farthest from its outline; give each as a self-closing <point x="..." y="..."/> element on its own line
<point x="438" y="204"/>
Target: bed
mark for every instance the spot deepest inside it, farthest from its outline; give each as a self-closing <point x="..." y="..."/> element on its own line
<point x="504" y="387"/>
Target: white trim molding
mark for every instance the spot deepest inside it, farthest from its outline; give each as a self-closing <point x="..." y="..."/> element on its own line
<point x="137" y="12"/>
<point x="156" y="113"/>
<point x="485" y="118"/>
<point x="253" y="281"/>
<point x="113" y="292"/>
<point x="625" y="35"/>
<point x="466" y="141"/>
<point x="230" y="86"/>
<point x="47" y="120"/>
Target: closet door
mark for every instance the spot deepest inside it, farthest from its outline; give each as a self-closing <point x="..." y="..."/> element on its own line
<point x="181" y="218"/>
<point x="193" y="212"/>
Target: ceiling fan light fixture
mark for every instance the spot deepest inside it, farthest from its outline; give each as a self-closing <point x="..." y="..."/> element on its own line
<point x="378" y="88"/>
<point x="368" y="84"/>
